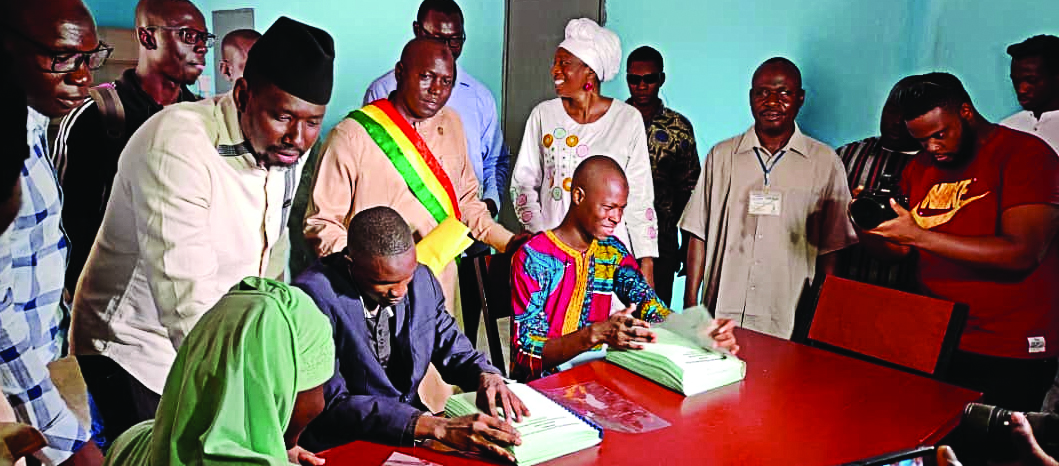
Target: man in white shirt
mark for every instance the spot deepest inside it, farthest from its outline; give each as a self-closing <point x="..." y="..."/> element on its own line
<point x="1035" y="75"/>
<point x="200" y="200"/>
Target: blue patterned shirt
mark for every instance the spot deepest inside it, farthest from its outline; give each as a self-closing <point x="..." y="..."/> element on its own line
<point x="32" y="266"/>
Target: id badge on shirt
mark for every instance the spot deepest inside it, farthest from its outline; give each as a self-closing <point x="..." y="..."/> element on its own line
<point x="766" y="203"/>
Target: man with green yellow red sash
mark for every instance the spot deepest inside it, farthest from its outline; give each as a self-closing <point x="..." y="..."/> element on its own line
<point x="407" y="152"/>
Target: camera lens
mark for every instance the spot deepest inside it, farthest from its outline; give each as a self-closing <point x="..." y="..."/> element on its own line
<point x="868" y="212"/>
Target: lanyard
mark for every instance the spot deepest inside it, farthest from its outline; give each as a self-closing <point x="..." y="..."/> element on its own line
<point x="768" y="169"/>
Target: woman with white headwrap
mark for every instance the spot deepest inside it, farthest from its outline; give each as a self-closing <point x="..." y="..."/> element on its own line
<point x="562" y="132"/>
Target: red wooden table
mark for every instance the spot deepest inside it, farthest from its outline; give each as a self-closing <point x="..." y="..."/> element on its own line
<point x="798" y="405"/>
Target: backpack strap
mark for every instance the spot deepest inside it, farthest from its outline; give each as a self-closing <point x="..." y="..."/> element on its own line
<point x="110" y="106"/>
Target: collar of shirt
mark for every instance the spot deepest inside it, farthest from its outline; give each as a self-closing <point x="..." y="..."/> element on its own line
<point x="371" y="313"/>
<point x="798" y="144"/>
<point x="129" y="79"/>
<point x="36" y="123"/>
<point x="658" y="112"/>
<point x="462" y="78"/>
<point x="229" y="137"/>
<point x="433" y="124"/>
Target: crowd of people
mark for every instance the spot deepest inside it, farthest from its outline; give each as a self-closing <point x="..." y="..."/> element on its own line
<point x="150" y="239"/>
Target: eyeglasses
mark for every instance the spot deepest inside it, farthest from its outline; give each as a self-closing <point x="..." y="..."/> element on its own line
<point x="761" y="93"/>
<point x="451" y="41"/>
<point x="189" y="36"/>
<point x="635" y="79"/>
<point x="68" y="62"/>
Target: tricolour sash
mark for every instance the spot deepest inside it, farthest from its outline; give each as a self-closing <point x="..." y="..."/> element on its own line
<point x="411" y="157"/>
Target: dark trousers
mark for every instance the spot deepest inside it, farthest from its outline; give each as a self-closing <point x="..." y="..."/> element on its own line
<point x="120" y="399"/>
<point x="1013" y="384"/>
<point x="665" y="273"/>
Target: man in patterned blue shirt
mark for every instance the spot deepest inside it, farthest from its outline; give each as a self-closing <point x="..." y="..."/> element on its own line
<point x="53" y="45"/>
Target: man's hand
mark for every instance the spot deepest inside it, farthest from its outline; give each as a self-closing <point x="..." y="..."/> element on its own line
<point x="1030" y="452"/>
<point x="299" y="455"/>
<point x="622" y="331"/>
<point x="477" y="432"/>
<point x="489" y="204"/>
<point x="946" y="457"/>
<point x="720" y="331"/>
<point x="647" y="269"/>
<point x="902" y="230"/>
<point x="490" y="387"/>
<point x="517" y="241"/>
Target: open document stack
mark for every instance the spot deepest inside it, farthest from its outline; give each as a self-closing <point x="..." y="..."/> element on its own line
<point x="552" y="430"/>
<point x="681" y="358"/>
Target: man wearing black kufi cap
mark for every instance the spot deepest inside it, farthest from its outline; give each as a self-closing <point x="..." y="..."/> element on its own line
<point x="200" y="200"/>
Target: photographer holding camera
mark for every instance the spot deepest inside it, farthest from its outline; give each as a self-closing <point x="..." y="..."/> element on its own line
<point x="983" y="213"/>
<point x="1029" y="451"/>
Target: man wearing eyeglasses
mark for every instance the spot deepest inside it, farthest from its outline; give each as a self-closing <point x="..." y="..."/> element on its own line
<point x="768" y="211"/>
<point x="172" y="54"/>
<point x="443" y="20"/>
<point x="52" y="46"/>
<point x="674" y="160"/>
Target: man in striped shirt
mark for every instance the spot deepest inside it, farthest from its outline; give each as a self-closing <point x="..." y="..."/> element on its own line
<point x="866" y="161"/>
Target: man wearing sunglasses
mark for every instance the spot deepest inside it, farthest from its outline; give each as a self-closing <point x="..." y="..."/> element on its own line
<point x="172" y="54"/>
<point x="442" y="20"/>
<point x="52" y="46"/>
<point x="674" y="160"/>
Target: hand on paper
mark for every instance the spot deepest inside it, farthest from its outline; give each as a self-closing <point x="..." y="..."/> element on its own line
<point x="299" y="455"/>
<point x="946" y="457"/>
<point x="478" y="432"/>
<point x="491" y="387"/>
<point x="622" y="331"/>
<point x="720" y="331"/>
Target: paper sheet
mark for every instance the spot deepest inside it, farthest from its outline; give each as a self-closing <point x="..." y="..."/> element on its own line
<point x="401" y="459"/>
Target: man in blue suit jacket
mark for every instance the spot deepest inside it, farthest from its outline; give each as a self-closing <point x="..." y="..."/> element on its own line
<point x="390" y="322"/>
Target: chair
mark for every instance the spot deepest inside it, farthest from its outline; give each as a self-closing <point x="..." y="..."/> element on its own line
<point x="902" y="330"/>
<point x="485" y="291"/>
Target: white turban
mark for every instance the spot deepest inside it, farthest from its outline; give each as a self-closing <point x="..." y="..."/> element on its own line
<point x="595" y="45"/>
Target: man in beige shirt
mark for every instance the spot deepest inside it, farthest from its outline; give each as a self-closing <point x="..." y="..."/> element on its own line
<point x="767" y="212"/>
<point x="200" y="201"/>
<point x="354" y="174"/>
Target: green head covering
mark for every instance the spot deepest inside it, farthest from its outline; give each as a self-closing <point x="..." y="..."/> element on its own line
<point x="231" y="391"/>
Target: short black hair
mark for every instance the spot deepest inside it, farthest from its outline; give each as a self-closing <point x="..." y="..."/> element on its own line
<point x="14" y="111"/>
<point x="646" y="54"/>
<point x="780" y="61"/>
<point x="378" y="232"/>
<point x="1044" y="46"/>
<point x="925" y="92"/>
<point x="445" y="7"/>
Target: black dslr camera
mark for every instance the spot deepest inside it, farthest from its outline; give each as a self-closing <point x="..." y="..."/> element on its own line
<point x="873" y="207"/>
<point x="989" y="427"/>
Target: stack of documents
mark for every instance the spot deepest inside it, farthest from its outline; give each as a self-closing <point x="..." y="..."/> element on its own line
<point x="680" y="364"/>
<point x="552" y="431"/>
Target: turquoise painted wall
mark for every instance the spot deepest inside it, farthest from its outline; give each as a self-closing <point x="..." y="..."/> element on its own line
<point x="970" y="40"/>
<point x="113" y="13"/>
<point x="848" y="51"/>
<point x="369" y="37"/>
